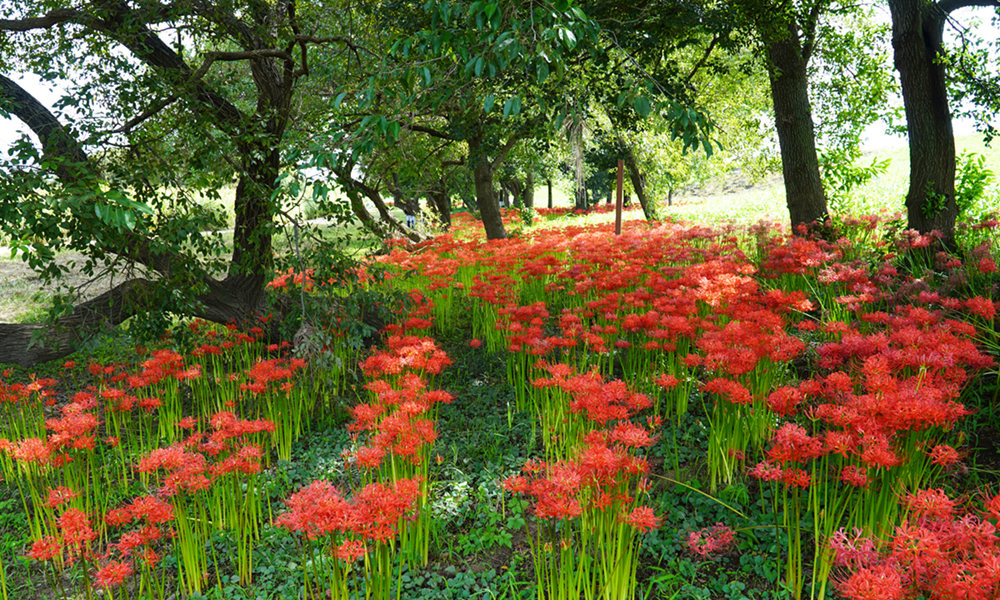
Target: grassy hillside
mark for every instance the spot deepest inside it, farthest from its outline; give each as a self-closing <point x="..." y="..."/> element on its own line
<point x="767" y="201"/>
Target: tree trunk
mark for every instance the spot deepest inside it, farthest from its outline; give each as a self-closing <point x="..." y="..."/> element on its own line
<point x="252" y="265"/>
<point x="486" y="197"/>
<point x="793" y="122"/>
<point x="528" y="199"/>
<point x="441" y="203"/>
<point x="576" y="141"/>
<point x="548" y="184"/>
<point x="516" y="192"/>
<point x="638" y="182"/>
<point x="916" y="41"/>
<point x="388" y="224"/>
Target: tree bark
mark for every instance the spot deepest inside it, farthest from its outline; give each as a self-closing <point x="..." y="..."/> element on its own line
<point x="486" y="196"/>
<point x="513" y="185"/>
<point x="388" y="223"/>
<point x="796" y="137"/>
<point x="528" y="198"/>
<point x="576" y="142"/>
<point x="638" y="182"/>
<point x="548" y="184"/>
<point x="916" y="41"/>
<point x="440" y="202"/>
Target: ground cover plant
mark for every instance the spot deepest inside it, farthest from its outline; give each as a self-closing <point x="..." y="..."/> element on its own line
<point x="677" y="412"/>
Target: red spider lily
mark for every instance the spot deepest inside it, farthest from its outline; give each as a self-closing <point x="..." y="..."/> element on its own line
<point x="729" y="390"/>
<point x="75" y="430"/>
<point x="933" y="504"/>
<point x="74" y="537"/>
<point x="784" y="401"/>
<point x="643" y="519"/>
<point x="267" y="371"/>
<point x="853" y="551"/>
<point x="47" y="548"/>
<point x="147" y="508"/>
<point x="791" y="443"/>
<point x="290" y="276"/>
<point x="855" y="475"/>
<point x="406" y="353"/>
<point x="60" y="496"/>
<point x="373" y="514"/>
<point x="317" y="510"/>
<point x="939" y="554"/>
<point x="944" y="455"/>
<point x="186" y="471"/>
<point x="113" y="574"/>
<point x="32" y="451"/>
<point x="717" y="538"/>
<point x="880" y="582"/>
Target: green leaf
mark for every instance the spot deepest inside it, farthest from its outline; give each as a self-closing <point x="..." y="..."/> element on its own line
<point x="569" y="38"/>
<point x="340" y="98"/>
<point x="488" y="103"/>
<point x="490" y="9"/>
<point x="507" y="106"/>
<point x="427" y="76"/>
<point x="543" y="72"/>
<point x="642" y="106"/>
<point x="479" y="66"/>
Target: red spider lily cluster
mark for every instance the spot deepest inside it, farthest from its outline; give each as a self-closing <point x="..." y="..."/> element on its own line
<point x="668" y="305"/>
<point x="940" y="551"/>
<point x="837" y="376"/>
<point x="714" y="539"/>
<point x="205" y="457"/>
<point x="398" y="422"/>
<point x="371" y="516"/>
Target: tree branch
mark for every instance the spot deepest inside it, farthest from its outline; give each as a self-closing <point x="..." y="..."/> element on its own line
<point x="146" y="114"/>
<point x="51" y="18"/>
<point x="28" y="344"/>
<point x="949" y="6"/>
<point x="701" y="62"/>
<point x="73" y="166"/>
<point x="57" y="143"/>
<point x="211" y="57"/>
<point x="809" y="28"/>
<point x="429" y="131"/>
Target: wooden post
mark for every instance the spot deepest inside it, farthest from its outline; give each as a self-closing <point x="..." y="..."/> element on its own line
<point x="618" y="203"/>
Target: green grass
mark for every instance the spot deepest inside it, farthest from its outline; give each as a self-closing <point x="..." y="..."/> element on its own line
<point x="767" y="203"/>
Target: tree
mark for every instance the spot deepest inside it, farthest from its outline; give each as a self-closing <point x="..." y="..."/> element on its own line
<point x="789" y="42"/>
<point x="917" y="34"/>
<point x="163" y="96"/>
<point x="792" y="37"/>
<point x="496" y="75"/>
